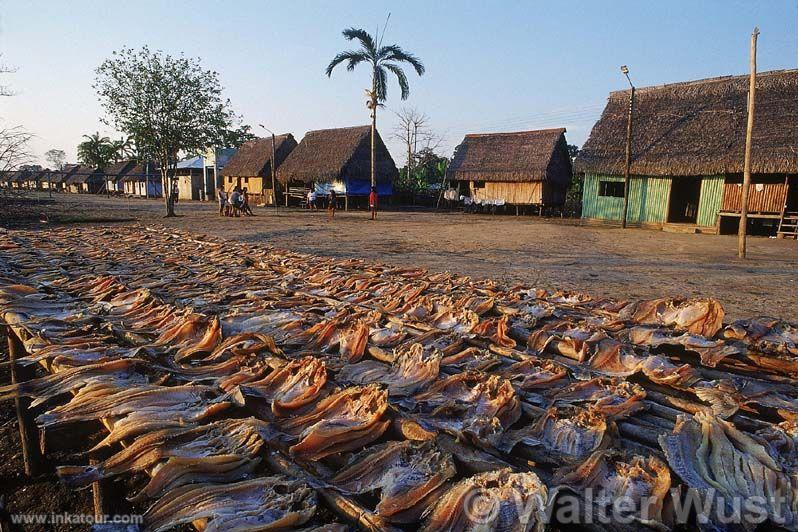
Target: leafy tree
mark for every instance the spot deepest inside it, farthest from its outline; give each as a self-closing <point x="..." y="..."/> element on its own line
<point x="573" y="198"/>
<point x="381" y="60"/>
<point x="123" y="149"/>
<point x="96" y="151"/>
<point x="234" y="138"/>
<point x="166" y="104"/>
<point x="56" y="158"/>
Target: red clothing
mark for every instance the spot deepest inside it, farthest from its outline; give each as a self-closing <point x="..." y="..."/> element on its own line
<point x="373" y="199"/>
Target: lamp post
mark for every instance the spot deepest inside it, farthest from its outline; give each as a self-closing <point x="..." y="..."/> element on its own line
<point x="272" y="164"/>
<point x="628" y="161"/>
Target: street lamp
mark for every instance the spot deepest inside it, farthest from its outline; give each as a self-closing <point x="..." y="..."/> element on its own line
<point x="272" y="164"/>
<point x="628" y="162"/>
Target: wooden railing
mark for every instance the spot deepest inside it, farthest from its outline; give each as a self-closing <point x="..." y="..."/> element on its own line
<point x="764" y="198"/>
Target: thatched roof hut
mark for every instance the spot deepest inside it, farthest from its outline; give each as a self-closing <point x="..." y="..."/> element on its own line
<point x="254" y="157"/>
<point x="524" y="167"/>
<point x="340" y="156"/>
<point x="698" y="128"/>
<point x="251" y="166"/>
<point x="688" y="146"/>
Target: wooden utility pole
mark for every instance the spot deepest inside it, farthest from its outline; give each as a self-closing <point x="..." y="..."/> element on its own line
<point x="628" y="158"/>
<point x="741" y="234"/>
<point x="274" y="165"/>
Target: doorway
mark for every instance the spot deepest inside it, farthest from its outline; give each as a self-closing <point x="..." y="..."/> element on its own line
<point x="684" y="198"/>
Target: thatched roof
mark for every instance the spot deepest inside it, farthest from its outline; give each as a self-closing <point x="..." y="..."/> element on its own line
<point x="84" y="173"/>
<point x="141" y="171"/>
<point x="118" y="170"/>
<point x="325" y="155"/>
<point x="253" y="158"/>
<point x="698" y="128"/>
<point x="521" y="156"/>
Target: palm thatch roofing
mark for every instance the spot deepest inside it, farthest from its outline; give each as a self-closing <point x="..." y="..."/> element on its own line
<point x="84" y="173"/>
<point x="118" y="170"/>
<point x="698" y="128"/>
<point x="254" y="157"/>
<point x="61" y="176"/>
<point x="327" y="155"/>
<point x="522" y="156"/>
<point x="143" y="171"/>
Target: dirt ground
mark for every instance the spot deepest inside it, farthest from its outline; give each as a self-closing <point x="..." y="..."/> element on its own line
<point x="550" y="253"/>
<point x="602" y="261"/>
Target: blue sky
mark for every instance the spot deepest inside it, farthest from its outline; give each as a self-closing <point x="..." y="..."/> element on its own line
<point x="491" y="66"/>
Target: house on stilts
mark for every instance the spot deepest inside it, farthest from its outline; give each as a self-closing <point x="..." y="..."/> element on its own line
<point x="688" y="145"/>
<point x="251" y="166"/>
<point x="340" y="160"/>
<point x="525" y="168"/>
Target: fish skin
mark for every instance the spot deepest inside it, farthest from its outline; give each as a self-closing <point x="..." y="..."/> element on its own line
<point x="264" y="503"/>
<point x="503" y="488"/>
<point x="405" y="473"/>
<point x="411" y="371"/>
<point x="294" y="385"/>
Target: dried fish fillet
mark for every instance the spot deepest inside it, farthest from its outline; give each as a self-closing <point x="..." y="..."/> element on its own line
<point x="497" y="500"/>
<point x="404" y="472"/>
<point x="267" y="503"/>
<point x="412" y="370"/>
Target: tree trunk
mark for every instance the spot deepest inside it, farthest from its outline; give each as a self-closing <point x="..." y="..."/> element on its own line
<point x="374" y="143"/>
<point x="167" y="192"/>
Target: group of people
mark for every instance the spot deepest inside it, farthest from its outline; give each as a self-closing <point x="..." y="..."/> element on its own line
<point x="312" y="200"/>
<point x="235" y="203"/>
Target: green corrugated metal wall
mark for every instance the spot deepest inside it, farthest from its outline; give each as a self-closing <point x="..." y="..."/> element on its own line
<point x="711" y="200"/>
<point x="648" y="199"/>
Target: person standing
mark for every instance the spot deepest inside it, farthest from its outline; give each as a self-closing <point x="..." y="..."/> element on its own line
<point x="235" y="202"/>
<point x="245" y="203"/>
<point x="373" y="199"/>
<point x="331" y="205"/>
<point x="221" y="195"/>
<point x="312" y="199"/>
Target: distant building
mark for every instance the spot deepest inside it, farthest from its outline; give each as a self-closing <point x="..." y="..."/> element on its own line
<point x="114" y="174"/>
<point x="688" y="145"/>
<point x="340" y="160"/>
<point x="197" y="176"/>
<point x="522" y="168"/>
<point x="86" y="180"/>
<point x="143" y="180"/>
<point x="251" y="166"/>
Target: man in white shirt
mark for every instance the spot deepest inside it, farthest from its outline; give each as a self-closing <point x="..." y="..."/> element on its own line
<point x="312" y="199"/>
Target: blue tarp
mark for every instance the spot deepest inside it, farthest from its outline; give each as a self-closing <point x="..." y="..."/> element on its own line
<point x="354" y="187"/>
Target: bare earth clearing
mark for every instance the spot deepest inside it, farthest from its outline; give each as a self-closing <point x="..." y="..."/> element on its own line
<point x="601" y="261"/>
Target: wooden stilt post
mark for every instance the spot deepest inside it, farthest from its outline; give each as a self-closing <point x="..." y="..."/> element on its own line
<point x="346" y="201"/>
<point x="27" y="428"/>
<point x="97" y="494"/>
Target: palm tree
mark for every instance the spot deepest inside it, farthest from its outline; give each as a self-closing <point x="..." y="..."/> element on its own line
<point x="381" y="59"/>
<point x="95" y="151"/>
<point x="123" y="149"/>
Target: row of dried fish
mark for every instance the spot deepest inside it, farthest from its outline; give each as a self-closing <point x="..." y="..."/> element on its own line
<point x="537" y="349"/>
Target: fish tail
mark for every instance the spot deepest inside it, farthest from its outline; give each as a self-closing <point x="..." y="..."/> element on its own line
<point x="79" y="476"/>
<point x="10" y="391"/>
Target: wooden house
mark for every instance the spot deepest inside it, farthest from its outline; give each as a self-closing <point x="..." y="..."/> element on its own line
<point x="521" y="168"/>
<point x="17" y="179"/>
<point x="33" y="178"/>
<point x="251" y="166"/>
<point x="86" y="180"/>
<point x="197" y="177"/>
<point x="143" y="180"/>
<point x="114" y="174"/>
<point x="58" y="179"/>
<point x="340" y="160"/>
<point x="688" y="145"/>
